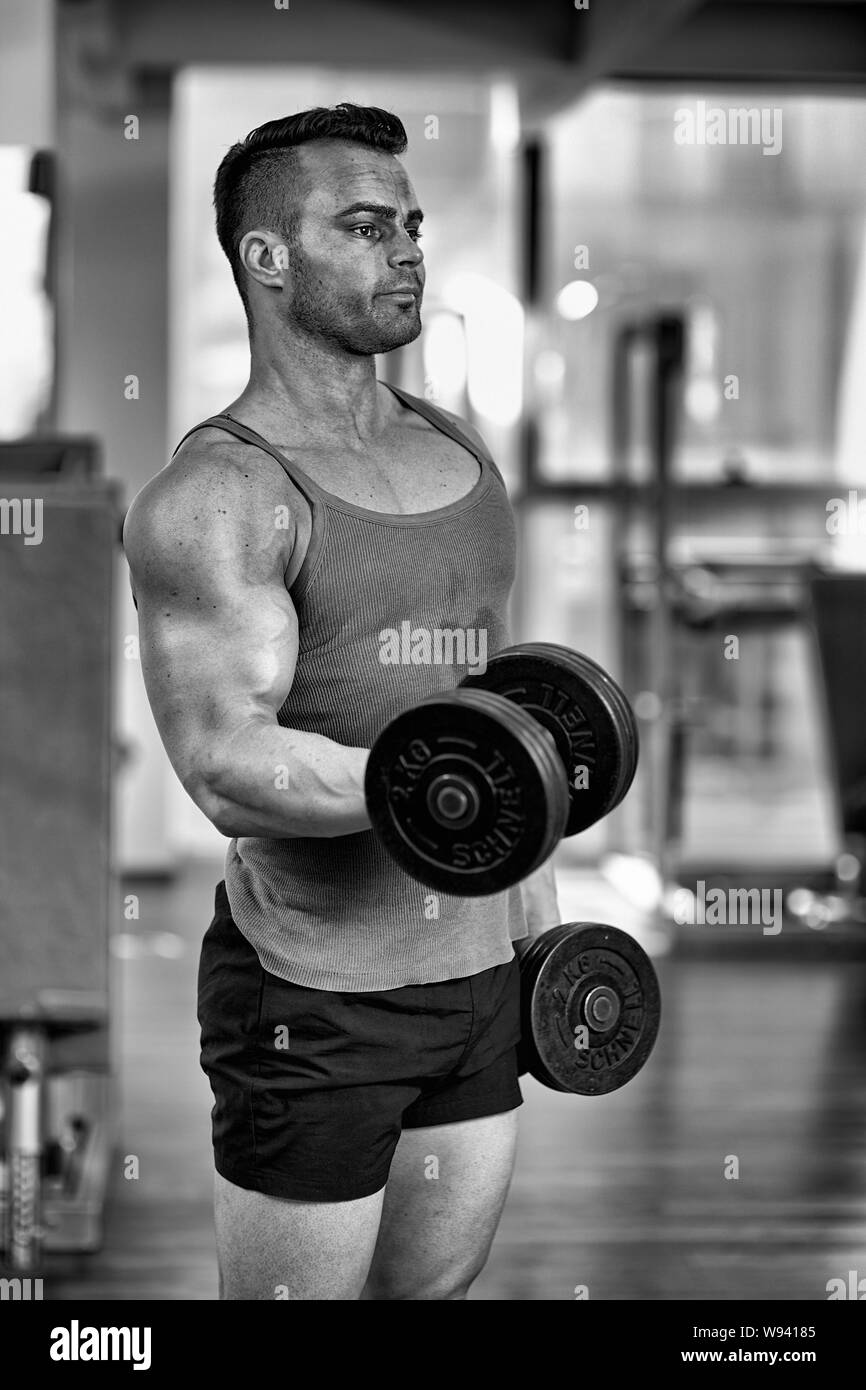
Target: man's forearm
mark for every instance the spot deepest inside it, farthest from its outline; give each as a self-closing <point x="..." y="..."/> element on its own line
<point x="278" y="783"/>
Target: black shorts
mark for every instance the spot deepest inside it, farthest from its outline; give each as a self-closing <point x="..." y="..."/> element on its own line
<point x="312" y="1087"/>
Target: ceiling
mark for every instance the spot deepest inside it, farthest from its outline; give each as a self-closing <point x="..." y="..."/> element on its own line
<point x="552" y="50"/>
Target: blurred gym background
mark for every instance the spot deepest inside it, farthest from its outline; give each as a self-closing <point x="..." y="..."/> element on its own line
<point x="663" y="340"/>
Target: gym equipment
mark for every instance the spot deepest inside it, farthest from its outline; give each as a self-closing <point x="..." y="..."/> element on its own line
<point x="590" y="1008"/>
<point x="58" y="896"/>
<point x="472" y="789"/>
<point x="466" y="792"/>
<point x="591" y="721"/>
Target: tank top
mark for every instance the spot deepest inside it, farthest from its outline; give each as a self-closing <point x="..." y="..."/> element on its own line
<point x="372" y="593"/>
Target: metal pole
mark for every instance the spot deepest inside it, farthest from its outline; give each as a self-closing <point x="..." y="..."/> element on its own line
<point x="668" y="334"/>
<point x="25" y="1072"/>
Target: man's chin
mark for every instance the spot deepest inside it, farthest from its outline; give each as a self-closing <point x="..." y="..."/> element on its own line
<point x="396" y="335"/>
<point x="407" y="332"/>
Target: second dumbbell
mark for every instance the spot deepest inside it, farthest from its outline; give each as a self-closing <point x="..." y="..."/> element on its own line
<point x="472" y="789"/>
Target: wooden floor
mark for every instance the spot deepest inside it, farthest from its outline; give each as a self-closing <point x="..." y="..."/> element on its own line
<point x="762" y="1058"/>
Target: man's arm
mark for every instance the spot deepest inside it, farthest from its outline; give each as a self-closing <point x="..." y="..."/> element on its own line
<point x="219" y="647"/>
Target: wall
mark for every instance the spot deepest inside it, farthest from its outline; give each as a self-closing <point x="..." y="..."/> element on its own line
<point x="27" y="106"/>
<point x="113" y="210"/>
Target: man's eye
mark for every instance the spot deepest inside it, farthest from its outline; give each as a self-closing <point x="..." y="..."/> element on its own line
<point x="363" y="227"/>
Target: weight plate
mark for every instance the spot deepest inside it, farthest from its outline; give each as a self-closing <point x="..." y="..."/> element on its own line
<point x="466" y="792"/>
<point x="554" y="779"/>
<point x="585" y="664"/>
<point x="596" y="676"/>
<point x="585" y="711"/>
<point x="586" y="975"/>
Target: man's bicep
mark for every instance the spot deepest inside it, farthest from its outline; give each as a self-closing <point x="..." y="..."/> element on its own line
<point x="218" y="636"/>
<point x="230" y="657"/>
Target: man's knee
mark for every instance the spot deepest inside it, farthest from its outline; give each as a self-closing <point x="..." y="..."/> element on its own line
<point x="449" y="1283"/>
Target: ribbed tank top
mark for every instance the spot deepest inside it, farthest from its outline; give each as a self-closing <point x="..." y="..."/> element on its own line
<point x="337" y="912"/>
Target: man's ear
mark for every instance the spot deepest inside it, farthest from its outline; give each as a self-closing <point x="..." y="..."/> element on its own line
<point x="265" y="257"/>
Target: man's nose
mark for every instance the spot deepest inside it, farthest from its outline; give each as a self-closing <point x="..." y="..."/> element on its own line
<point x="406" y="251"/>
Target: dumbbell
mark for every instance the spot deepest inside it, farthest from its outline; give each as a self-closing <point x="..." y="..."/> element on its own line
<point x="590" y="1008"/>
<point x="473" y="788"/>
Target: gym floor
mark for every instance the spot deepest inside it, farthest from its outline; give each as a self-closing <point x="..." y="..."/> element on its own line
<point x="730" y="1168"/>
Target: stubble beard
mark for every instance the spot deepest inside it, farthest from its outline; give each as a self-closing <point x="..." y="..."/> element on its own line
<point x="350" y="321"/>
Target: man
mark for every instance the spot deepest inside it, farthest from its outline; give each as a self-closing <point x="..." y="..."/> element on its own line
<point x="358" y="1031"/>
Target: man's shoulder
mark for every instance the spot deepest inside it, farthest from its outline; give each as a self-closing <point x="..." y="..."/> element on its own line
<point x="210" y="473"/>
<point x="457" y="421"/>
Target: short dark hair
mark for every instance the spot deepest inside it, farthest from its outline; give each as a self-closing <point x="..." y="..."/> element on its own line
<point x="249" y="189"/>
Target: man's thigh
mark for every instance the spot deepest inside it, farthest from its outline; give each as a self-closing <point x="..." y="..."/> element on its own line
<point x="282" y="1248"/>
<point x="443" y="1200"/>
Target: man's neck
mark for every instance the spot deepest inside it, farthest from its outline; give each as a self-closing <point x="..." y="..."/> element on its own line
<point x="304" y="389"/>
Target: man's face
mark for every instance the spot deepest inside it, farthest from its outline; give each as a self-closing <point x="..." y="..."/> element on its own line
<point x="355" y="244"/>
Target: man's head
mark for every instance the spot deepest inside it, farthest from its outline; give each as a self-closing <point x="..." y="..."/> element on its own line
<point x="319" y="222"/>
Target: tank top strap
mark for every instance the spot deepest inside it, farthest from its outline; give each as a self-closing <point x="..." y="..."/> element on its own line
<point x="304" y="484"/>
<point x="299" y="568"/>
<point x="444" y="422"/>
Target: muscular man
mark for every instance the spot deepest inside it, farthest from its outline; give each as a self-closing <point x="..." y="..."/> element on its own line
<point x="358" y="1031"/>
